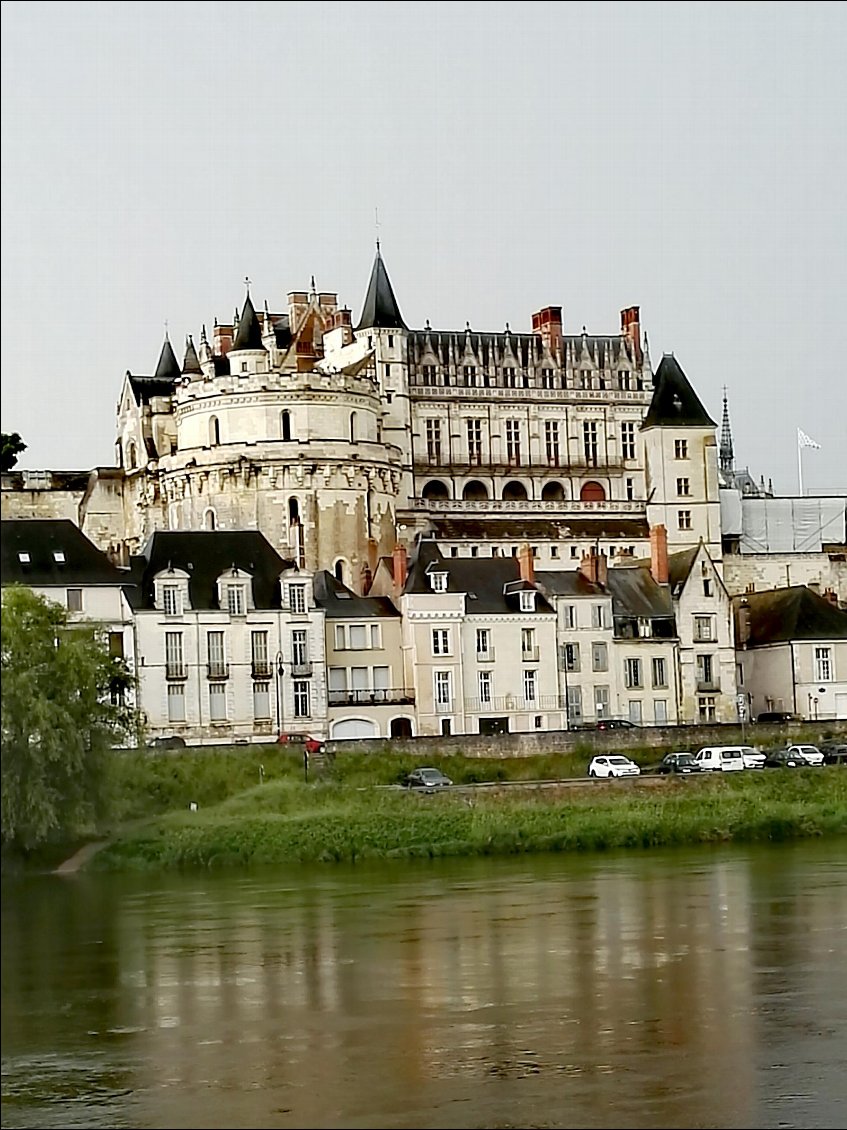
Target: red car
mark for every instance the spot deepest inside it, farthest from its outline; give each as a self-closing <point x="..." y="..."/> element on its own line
<point x="310" y="744"/>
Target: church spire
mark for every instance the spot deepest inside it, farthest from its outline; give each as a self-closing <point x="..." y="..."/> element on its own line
<point x="380" y="309"/>
<point x="727" y="457"/>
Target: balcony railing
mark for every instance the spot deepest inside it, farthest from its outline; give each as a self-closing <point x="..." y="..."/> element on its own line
<point x="217" y="670"/>
<point x="529" y="654"/>
<point x="176" y="671"/>
<point x="460" y="463"/>
<point x="301" y="670"/>
<point x="529" y="506"/>
<point x="381" y="697"/>
<point x="708" y="686"/>
<point x="444" y="707"/>
<point x="511" y="703"/>
<point x="476" y="392"/>
<point x="485" y="656"/>
<point x="261" y="670"/>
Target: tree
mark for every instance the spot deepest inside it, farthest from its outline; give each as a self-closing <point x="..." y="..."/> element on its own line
<point x="63" y="709"/>
<point x="11" y="445"/>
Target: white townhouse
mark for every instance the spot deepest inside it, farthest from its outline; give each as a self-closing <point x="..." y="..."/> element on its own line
<point x="229" y="639"/>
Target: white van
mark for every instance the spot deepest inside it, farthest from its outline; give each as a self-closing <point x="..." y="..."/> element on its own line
<point x="728" y="758"/>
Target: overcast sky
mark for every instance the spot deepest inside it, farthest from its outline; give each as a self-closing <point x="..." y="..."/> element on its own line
<point x="688" y="158"/>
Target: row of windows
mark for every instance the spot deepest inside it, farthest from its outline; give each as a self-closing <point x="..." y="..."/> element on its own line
<point x="511" y="376"/>
<point x="217" y="701"/>
<point x="216" y="651"/>
<point x="234" y="598"/>
<point x="553" y="445"/>
<point x="476" y="491"/>
<point x="286" y="431"/>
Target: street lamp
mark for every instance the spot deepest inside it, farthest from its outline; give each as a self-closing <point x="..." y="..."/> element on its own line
<point x="279" y="671"/>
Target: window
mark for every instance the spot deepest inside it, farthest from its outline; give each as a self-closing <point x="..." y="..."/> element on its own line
<point x="381" y="682"/>
<point x="440" y="641"/>
<point x="680" y="448"/>
<point x="601" y="702"/>
<point x="554" y="551"/>
<point x="358" y="636"/>
<point x="58" y="556"/>
<point x="353" y="436"/>
<point x="428" y="374"/>
<point x="285" y="421"/>
<point x="528" y="648"/>
<point x="574" y="704"/>
<point x="509" y="378"/>
<point x="438" y="582"/>
<point x="707" y="587"/>
<point x="261" y="701"/>
<point x="513" y="441"/>
<point x="116" y="645"/>
<point x="215" y="648"/>
<point x="527" y="600"/>
<point x="259" y="653"/>
<point x="635" y="711"/>
<point x="299" y="647"/>
<point x="485" y="684"/>
<point x="597" y="618"/>
<point x="469" y="372"/>
<point x="530" y="682"/>
<point x="569" y="615"/>
<point x="176" y="702"/>
<point x="703" y="628"/>
<point x="210" y="520"/>
<point x="217" y="702"/>
<point x="301" y="698"/>
<point x="547" y="378"/>
<point x="235" y="600"/>
<point x="706" y="708"/>
<point x="632" y="672"/>
<point x="297" y="598"/>
<point x="823" y="664"/>
<point x="683" y="519"/>
<point x="628" y="439"/>
<point x="660" y="711"/>
<point x="630" y="489"/>
<point x="484" y="649"/>
<point x="599" y="657"/>
<point x="585" y="378"/>
<point x="474" y="441"/>
<point x="214" y="431"/>
<point x="589" y="442"/>
<point x="683" y="486"/>
<point x="174" y="668"/>
<point x="443" y="694"/>
<point x="551" y="441"/>
<point x="570" y="656"/>
<point x="433" y="441"/>
<point x="24" y="557"/>
<point x="705" y="671"/>
<point x="660" y="672"/>
<point x="74" y="597"/>
<point x="623" y="378"/>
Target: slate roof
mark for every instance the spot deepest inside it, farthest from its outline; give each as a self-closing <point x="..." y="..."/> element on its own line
<point x="488" y="581"/>
<point x="795" y="613"/>
<point x="514" y="526"/>
<point x="636" y="594"/>
<point x="380" y="307"/>
<point x="145" y="388"/>
<point x="492" y="349"/>
<point x="168" y="367"/>
<point x="339" y="602"/>
<point x="568" y="582"/>
<point x="679" y="567"/>
<point x="42" y="539"/>
<point x="205" y="555"/>
<point x="191" y="362"/>
<point x="249" y="333"/>
<point x="675" y="403"/>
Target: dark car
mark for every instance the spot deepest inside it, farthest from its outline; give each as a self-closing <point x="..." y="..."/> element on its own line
<point x="785" y="759"/>
<point x="834" y="753"/>
<point x="678" y="763"/>
<point x="614" y="724"/>
<point x="776" y="716"/>
<point x="169" y="741"/>
<point x="428" y="779"/>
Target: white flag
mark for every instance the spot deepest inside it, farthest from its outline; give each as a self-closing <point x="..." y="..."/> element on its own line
<point x="805" y="441"/>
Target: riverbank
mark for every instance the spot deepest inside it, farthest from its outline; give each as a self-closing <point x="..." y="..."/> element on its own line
<point x="352" y="809"/>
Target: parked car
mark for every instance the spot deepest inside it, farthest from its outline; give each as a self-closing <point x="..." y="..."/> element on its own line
<point x="752" y="758"/>
<point x="168" y="741"/>
<point x="834" y="753"/>
<point x="785" y="759"/>
<point x="811" y="753"/>
<point x="727" y="758"/>
<point x="776" y="716"/>
<point x="612" y="765"/>
<point x="428" y="778"/>
<point x="310" y="744"/>
<point x="678" y="763"/>
<point x="614" y="724"/>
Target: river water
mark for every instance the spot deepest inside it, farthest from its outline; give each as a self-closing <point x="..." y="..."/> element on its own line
<point x="689" y="988"/>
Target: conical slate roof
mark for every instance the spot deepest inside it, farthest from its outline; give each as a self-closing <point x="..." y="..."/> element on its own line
<point x="249" y="333"/>
<point x="168" y="367"/>
<point x="191" y="362"/>
<point x="380" y="309"/>
<point x="675" y="403"/>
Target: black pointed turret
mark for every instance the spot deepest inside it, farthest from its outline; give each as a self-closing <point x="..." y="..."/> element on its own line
<point x="380" y="309"/>
<point x="168" y="367"/>
<point x="727" y="456"/>
<point x="191" y="362"/>
<point x="674" y="400"/>
<point x="249" y="332"/>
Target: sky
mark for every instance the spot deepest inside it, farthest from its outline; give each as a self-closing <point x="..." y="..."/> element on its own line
<point x="688" y="158"/>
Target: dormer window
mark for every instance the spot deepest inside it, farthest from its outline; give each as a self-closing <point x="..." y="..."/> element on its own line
<point x="24" y="557"/>
<point x="527" y="600"/>
<point x="59" y="556"/>
<point x="236" y="602"/>
<point x="438" y="582"/>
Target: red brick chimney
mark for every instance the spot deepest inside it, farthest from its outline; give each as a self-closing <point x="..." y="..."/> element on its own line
<point x="399" y="567"/>
<point x="547" y="323"/>
<point x="527" y="564"/>
<point x="631" y="328"/>
<point x="659" y="554"/>
<point x="594" y="567"/>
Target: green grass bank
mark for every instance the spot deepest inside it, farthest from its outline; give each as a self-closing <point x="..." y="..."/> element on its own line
<point x="255" y="806"/>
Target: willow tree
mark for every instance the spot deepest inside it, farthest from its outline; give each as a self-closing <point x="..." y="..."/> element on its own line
<point x="64" y="708"/>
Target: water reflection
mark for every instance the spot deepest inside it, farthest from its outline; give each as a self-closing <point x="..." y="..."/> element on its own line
<point x="660" y="989"/>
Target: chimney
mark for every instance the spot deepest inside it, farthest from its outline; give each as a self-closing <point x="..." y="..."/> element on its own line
<point x="366" y="579"/>
<point x="527" y="565"/>
<point x="547" y="323"/>
<point x="659" y="554"/>
<point x="222" y="340"/>
<point x="743" y="623"/>
<point x="400" y="568"/>
<point x="594" y="567"/>
<point x="831" y="596"/>
<point x="631" y="328"/>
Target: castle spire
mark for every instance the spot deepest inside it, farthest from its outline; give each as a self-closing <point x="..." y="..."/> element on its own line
<point x="168" y="367"/>
<point x="380" y="309"/>
<point x="727" y="457"/>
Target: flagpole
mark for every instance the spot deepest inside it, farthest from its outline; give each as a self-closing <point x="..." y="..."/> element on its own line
<point x="800" y="465"/>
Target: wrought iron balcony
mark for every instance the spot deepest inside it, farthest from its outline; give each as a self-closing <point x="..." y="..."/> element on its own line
<point x="381" y="697"/>
<point x="217" y="670"/>
<point x="529" y="654"/>
<point x="176" y="671"/>
<point x="261" y="670"/>
<point x="486" y="656"/>
<point x="300" y="670"/>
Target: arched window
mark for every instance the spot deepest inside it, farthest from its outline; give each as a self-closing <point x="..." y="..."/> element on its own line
<point x="475" y="491"/>
<point x="435" y="490"/>
<point x="338" y="570"/>
<point x="552" y="492"/>
<point x="514" y="492"/>
<point x="210" y="521"/>
<point x="293" y="512"/>
<point x="214" y="431"/>
<point x="131" y="456"/>
<point x="352" y="427"/>
<point x="592" y="492"/>
<point x="285" y="425"/>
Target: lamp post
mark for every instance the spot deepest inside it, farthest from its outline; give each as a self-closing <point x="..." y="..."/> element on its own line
<point x="279" y="671"/>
